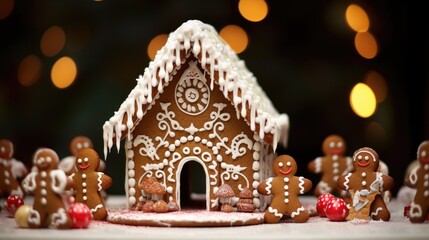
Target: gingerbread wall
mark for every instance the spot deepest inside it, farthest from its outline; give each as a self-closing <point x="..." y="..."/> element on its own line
<point x="190" y="122"/>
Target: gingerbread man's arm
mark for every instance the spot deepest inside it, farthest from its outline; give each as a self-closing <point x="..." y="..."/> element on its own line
<point x="344" y="181"/>
<point x="265" y="187"/>
<point x="411" y="180"/>
<point x="315" y="166"/>
<point x="59" y="181"/>
<point x="106" y="181"/>
<point x="70" y="183"/>
<point x="29" y="182"/>
<point x="304" y="185"/>
<point x="388" y="182"/>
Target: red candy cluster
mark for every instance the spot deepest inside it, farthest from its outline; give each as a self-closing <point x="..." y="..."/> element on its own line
<point x="332" y="207"/>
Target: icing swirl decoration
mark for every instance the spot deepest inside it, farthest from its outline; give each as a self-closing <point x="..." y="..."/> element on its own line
<point x="192" y="93"/>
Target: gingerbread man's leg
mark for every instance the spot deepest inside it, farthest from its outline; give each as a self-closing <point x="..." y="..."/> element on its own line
<point x="274" y="215"/>
<point x="99" y="212"/>
<point x="379" y="209"/>
<point x="418" y="212"/>
<point x="60" y="219"/>
<point x="297" y="212"/>
<point x="36" y="219"/>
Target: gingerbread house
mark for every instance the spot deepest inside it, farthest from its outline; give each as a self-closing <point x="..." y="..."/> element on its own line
<point x="197" y="102"/>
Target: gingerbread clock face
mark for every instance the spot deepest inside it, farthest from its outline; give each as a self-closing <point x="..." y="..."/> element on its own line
<point x="192" y="93"/>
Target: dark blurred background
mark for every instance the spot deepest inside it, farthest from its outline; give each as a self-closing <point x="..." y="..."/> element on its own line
<point x="303" y="54"/>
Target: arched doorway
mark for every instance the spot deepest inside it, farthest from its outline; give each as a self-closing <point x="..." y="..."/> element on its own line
<point x="192" y="186"/>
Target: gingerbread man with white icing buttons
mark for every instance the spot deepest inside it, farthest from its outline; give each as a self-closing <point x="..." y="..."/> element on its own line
<point x="331" y="166"/>
<point x="285" y="188"/>
<point x="47" y="183"/>
<point x="89" y="183"/>
<point x="10" y="170"/>
<point x="419" y="179"/>
<point x="366" y="186"/>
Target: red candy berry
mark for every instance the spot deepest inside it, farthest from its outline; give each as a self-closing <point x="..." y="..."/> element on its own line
<point x="322" y="201"/>
<point x="12" y="203"/>
<point x="336" y="210"/>
<point x="80" y="215"/>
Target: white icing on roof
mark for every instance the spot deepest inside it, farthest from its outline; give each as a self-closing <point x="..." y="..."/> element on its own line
<point x="234" y="77"/>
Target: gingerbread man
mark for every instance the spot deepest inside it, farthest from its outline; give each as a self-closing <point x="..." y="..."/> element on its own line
<point x="366" y="186"/>
<point x="89" y="183"/>
<point x="10" y="170"/>
<point x="285" y="188"/>
<point x="419" y="179"/>
<point x="78" y="143"/>
<point x="331" y="166"/>
<point x="48" y="183"/>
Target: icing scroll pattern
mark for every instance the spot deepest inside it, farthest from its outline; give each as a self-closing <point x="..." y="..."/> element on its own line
<point x="233" y="172"/>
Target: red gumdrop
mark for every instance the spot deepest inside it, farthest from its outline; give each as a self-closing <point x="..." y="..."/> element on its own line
<point x="336" y="210"/>
<point x="80" y="215"/>
<point x="13" y="202"/>
<point x="322" y="200"/>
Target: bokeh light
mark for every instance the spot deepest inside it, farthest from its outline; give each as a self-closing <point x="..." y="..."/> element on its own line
<point x="366" y="45"/>
<point x="156" y="44"/>
<point x="6" y="8"/>
<point x="253" y="10"/>
<point x="378" y="84"/>
<point x="29" y="70"/>
<point x="357" y="18"/>
<point x="52" y="41"/>
<point x="235" y="36"/>
<point x="63" y="72"/>
<point x="362" y="100"/>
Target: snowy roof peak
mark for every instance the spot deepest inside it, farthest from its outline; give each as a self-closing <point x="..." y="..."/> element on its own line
<point x="214" y="55"/>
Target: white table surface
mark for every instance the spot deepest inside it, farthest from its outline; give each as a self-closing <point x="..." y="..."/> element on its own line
<point x="316" y="228"/>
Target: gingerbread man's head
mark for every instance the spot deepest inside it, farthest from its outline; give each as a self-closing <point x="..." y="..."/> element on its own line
<point x="6" y="149"/>
<point x="78" y="143"/>
<point x="334" y="145"/>
<point x="423" y="152"/>
<point x="87" y="159"/>
<point x="45" y="159"/>
<point x="366" y="159"/>
<point x="284" y="165"/>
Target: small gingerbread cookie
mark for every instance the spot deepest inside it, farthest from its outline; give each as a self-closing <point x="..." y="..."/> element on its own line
<point x="331" y="166"/>
<point x="419" y="179"/>
<point x="47" y="183"/>
<point x="366" y="186"/>
<point x="10" y="170"/>
<point x="88" y="182"/>
<point x="285" y="188"/>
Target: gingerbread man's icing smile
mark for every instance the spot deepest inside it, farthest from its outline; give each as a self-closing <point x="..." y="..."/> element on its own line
<point x="285" y="172"/>
<point x="364" y="158"/>
<point x="83" y="164"/>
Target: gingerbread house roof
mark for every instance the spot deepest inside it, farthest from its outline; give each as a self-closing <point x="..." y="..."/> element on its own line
<point x="233" y="78"/>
